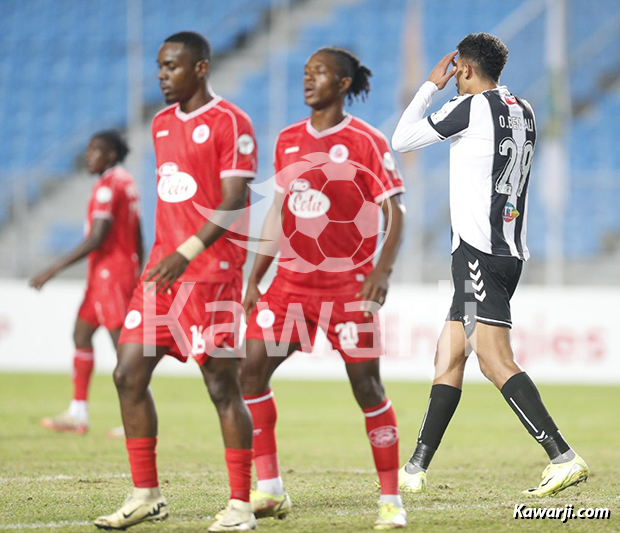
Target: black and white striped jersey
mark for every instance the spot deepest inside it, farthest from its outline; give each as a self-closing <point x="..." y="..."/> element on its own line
<point x="492" y="137"/>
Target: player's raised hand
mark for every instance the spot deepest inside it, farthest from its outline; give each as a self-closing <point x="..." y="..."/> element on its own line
<point x="167" y="271"/>
<point x="374" y="289"/>
<point x="252" y="295"/>
<point x="444" y="70"/>
<point x="41" y="279"/>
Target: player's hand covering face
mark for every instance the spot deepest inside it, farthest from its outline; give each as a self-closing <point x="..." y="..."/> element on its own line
<point x="322" y="84"/>
<point x="444" y="70"/>
<point x="179" y="75"/>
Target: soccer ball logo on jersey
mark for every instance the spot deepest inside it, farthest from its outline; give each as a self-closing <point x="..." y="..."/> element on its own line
<point x="510" y="212"/>
<point x="174" y="186"/>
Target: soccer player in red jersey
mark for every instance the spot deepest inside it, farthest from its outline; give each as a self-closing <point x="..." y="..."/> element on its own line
<point x="334" y="174"/>
<point x="113" y="244"/>
<point x="206" y="156"/>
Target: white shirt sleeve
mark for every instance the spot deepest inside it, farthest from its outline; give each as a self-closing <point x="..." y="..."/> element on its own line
<point x="413" y="131"/>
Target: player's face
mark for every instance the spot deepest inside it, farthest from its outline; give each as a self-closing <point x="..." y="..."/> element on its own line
<point x="458" y="76"/>
<point x="179" y="77"/>
<point x="322" y="83"/>
<point x="99" y="157"/>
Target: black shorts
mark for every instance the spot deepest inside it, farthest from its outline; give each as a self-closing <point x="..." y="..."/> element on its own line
<point x="483" y="287"/>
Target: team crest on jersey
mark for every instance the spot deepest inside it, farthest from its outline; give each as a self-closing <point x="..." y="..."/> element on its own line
<point x="339" y="153"/>
<point x="103" y="195"/>
<point x="510" y="212"/>
<point x="305" y="202"/>
<point x="201" y="134"/>
<point x="388" y="162"/>
<point x="245" y="144"/>
<point x="175" y="186"/>
<point x="510" y="99"/>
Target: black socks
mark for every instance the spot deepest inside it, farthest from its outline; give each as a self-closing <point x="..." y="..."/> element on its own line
<point x="524" y="399"/>
<point x="441" y="406"/>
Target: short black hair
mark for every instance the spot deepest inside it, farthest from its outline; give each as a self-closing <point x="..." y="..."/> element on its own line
<point x="350" y="67"/>
<point x="196" y="43"/>
<point x="487" y="51"/>
<point x="116" y="142"/>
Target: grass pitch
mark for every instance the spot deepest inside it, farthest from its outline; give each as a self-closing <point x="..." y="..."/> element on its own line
<point x="57" y="482"/>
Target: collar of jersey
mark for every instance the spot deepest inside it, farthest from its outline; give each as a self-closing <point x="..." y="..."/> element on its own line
<point x="188" y="116"/>
<point x="108" y="172"/>
<point x="334" y="129"/>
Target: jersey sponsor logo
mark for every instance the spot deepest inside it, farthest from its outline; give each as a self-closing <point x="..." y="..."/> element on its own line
<point x="510" y="99"/>
<point x="383" y="437"/>
<point x="265" y="318"/>
<point x="133" y="319"/>
<point x="510" y="212"/>
<point x="438" y="116"/>
<point x="388" y="162"/>
<point x="245" y="144"/>
<point x="339" y="153"/>
<point x="103" y="195"/>
<point x="305" y="202"/>
<point x="201" y="134"/>
<point x="162" y="133"/>
<point x="175" y="186"/>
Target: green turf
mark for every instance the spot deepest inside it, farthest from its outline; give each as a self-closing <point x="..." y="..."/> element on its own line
<point x="485" y="460"/>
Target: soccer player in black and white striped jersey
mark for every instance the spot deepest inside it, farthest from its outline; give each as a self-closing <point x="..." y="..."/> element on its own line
<point x="492" y="137"/>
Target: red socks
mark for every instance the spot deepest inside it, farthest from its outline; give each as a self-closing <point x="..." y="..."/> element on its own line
<point x="264" y="415"/>
<point x="383" y="435"/>
<point x="239" y="463"/>
<point x="83" y="363"/>
<point x="142" y="461"/>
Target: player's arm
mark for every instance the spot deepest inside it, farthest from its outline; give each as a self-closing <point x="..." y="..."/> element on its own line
<point x="413" y="132"/>
<point x="98" y="232"/>
<point x="267" y="250"/>
<point x="235" y="193"/>
<point x="139" y="244"/>
<point x="375" y="286"/>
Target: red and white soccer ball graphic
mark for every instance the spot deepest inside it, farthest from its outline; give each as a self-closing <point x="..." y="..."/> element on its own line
<point x="308" y="245"/>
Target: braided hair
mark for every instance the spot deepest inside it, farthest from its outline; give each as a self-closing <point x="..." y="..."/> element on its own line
<point x="350" y="67"/>
<point x="116" y="142"/>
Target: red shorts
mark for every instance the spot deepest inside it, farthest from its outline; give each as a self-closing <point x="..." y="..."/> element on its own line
<point x="294" y="318"/>
<point x="105" y="303"/>
<point x="190" y="327"/>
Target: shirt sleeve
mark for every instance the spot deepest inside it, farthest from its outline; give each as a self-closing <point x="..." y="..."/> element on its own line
<point x="384" y="180"/>
<point x="279" y="182"/>
<point x="104" y="202"/>
<point x="237" y="146"/>
<point x="414" y="131"/>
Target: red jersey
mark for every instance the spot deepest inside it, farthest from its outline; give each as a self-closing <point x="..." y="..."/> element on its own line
<point x="333" y="182"/>
<point x="194" y="152"/>
<point x="115" y="196"/>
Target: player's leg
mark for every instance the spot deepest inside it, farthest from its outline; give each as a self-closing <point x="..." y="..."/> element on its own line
<point x="75" y="419"/>
<point x="221" y="378"/>
<point x="256" y="370"/>
<point x="382" y="431"/>
<point x="116" y="432"/>
<point x="132" y="376"/>
<point x="497" y="363"/>
<point x="450" y="359"/>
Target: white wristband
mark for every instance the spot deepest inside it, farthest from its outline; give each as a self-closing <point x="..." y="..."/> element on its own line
<point x="191" y="248"/>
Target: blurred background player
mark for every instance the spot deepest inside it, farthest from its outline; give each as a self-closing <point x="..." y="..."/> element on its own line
<point x="344" y="143"/>
<point x="492" y="135"/>
<point x="113" y="244"/>
<point x="206" y="155"/>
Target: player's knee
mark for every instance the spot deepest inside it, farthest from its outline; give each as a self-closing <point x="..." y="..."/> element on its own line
<point x="368" y="391"/>
<point x="223" y="392"/>
<point x="252" y="378"/>
<point x="81" y="339"/>
<point x="128" y="381"/>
